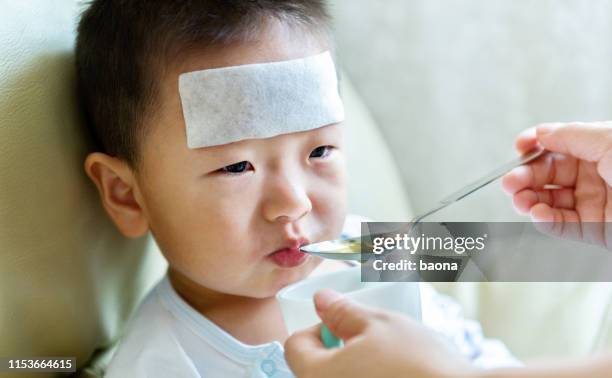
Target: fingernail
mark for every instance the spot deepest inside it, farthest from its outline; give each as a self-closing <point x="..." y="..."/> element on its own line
<point x="546" y="128"/>
<point x="324" y="298"/>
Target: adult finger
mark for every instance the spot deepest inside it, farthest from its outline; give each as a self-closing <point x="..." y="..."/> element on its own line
<point x="345" y="318"/>
<point x="304" y="350"/>
<point x="526" y="140"/>
<point x="551" y="169"/>
<point x="563" y="223"/>
<point x="587" y="141"/>
<point x="562" y="198"/>
<point x="566" y="223"/>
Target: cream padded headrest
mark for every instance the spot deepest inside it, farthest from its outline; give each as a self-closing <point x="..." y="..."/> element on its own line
<point x="68" y="279"/>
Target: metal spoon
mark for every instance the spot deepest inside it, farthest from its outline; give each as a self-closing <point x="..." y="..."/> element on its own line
<point x="350" y="249"/>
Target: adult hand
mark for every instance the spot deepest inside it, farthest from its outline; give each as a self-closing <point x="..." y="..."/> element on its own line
<point x="568" y="189"/>
<point x="384" y="344"/>
<point x="376" y="344"/>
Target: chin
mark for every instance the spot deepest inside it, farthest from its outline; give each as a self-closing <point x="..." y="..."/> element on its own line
<point x="285" y="277"/>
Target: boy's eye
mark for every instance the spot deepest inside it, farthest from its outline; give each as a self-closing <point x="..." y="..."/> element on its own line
<point x="321" y="151"/>
<point x="241" y="167"/>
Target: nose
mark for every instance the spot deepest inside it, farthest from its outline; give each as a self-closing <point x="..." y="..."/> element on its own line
<point x="287" y="200"/>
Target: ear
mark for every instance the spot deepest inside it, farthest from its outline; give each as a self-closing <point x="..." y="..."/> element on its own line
<point x="119" y="193"/>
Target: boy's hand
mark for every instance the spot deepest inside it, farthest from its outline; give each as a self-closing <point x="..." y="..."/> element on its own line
<point x="377" y="344"/>
<point x="580" y="169"/>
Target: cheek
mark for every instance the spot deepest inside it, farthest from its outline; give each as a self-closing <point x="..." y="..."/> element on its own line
<point x="214" y="217"/>
<point x="195" y="223"/>
<point x="329" y="199"/>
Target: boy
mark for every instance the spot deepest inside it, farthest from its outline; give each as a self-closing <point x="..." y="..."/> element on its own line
<point x="228" y="201"/>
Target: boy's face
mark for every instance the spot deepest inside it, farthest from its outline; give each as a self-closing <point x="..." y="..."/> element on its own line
<point x="220" y="213"/>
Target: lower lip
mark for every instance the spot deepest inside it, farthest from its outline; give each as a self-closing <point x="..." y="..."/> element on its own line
<point x="288" y="257"/>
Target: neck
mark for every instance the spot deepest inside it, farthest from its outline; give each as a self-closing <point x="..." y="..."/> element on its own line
<point x="250" y="320"/>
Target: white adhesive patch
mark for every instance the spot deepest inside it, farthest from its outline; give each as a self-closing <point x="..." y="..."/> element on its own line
<point x="229" y="104"/>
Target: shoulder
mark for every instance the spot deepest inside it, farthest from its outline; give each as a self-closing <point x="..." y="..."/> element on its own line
<point x="149" y="347"/>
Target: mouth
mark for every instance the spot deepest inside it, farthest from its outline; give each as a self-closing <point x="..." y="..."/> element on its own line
<point x="290" y="255"/>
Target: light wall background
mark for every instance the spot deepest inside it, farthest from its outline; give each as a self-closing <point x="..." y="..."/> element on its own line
<point x="451" y="83"/>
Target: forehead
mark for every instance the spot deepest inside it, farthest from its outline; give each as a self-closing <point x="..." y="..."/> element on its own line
<point x="276" y="42"/>
<point x="275" y="146"/>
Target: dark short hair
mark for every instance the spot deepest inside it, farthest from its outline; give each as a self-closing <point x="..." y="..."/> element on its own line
<point x="123" y="46"/>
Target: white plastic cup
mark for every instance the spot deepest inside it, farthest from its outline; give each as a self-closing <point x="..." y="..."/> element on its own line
<point x="297" y="305"/>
